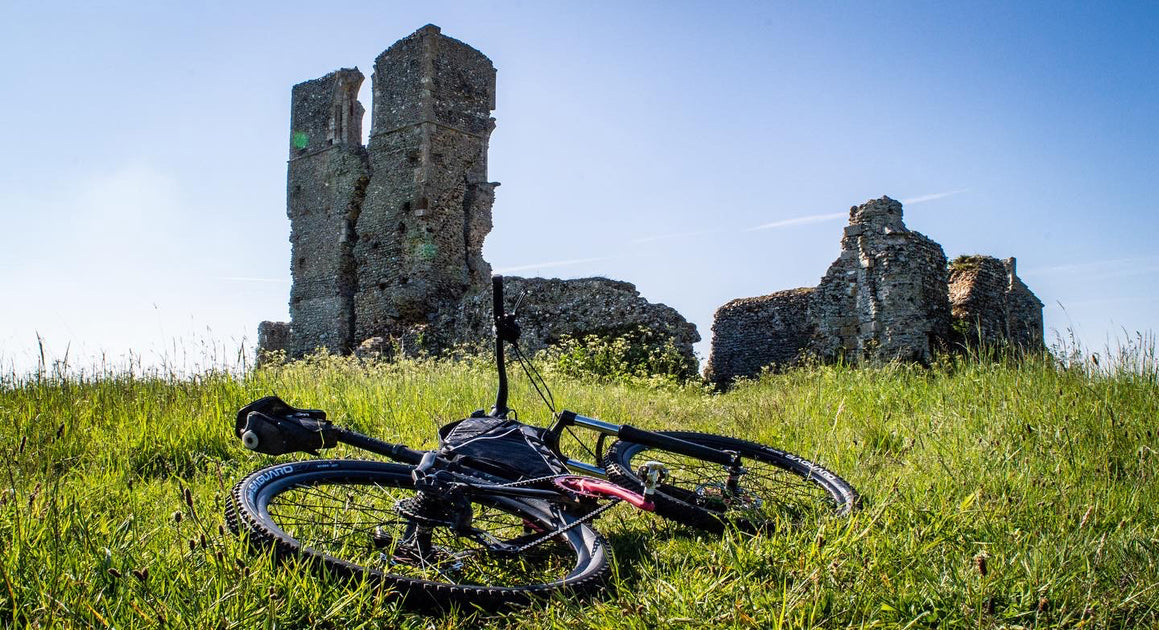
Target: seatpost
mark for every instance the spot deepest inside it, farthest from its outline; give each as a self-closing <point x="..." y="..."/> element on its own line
<point x="500" y="409"/>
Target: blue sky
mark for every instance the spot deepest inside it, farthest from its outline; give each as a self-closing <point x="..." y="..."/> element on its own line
<point x="703" y="151"/>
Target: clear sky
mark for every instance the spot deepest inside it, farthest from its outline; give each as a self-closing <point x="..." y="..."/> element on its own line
<point x="703" y="151"/>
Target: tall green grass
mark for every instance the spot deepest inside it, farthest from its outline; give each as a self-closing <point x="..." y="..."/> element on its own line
<point x="997" y="494"/>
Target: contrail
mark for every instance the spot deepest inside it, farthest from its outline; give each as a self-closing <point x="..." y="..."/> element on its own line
<point x="805" y="220"/>
<point x="925" y="198"/>
<point x="555" y="263"/>
<point x="815" y="218"/>
<point x="1108" y="268"/>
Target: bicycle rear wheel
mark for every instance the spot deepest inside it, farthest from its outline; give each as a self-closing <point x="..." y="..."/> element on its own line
<point x="775" y="487"/>
<point x="365" y="519"/>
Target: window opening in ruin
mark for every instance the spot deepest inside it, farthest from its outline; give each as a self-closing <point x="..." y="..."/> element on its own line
<point x="365" y="96"/>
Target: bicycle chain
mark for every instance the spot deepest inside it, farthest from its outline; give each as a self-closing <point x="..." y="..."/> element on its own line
<point x="590" y="516"/>
<point x="583" y="519"/>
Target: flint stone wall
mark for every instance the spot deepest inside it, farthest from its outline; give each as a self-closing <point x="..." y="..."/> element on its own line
<point x="554" y="309"/>
<point x="992" y="306"/>
<point x="750" y="334"/>
<point x="274" y="336"/>
<point x="551" y="310"/>
<point x="428" y="204"/>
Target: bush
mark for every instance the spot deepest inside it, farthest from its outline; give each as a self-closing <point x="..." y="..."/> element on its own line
<point x="638" y="353"/>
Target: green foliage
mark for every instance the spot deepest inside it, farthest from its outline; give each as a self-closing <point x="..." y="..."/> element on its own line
<point x="965" y="262"/>
<point x="998" y="494"/>
<point x="639" y="354"/>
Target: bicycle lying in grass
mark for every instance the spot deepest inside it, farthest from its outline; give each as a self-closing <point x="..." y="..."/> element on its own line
<point x="498" y="514"/>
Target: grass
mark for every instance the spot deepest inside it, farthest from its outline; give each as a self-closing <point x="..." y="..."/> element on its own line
<point x="998" y="494"/>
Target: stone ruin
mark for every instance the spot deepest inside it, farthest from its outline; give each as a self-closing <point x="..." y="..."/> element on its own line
<point x="387" y="238"/>
<point x="387" y="247"/>
<point x="885" y="295"/>
<point x="992" y="306"/>
<point x="889" y="295"/>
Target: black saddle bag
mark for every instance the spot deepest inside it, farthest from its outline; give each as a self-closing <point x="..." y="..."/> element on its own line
<point x="507" y="448"/>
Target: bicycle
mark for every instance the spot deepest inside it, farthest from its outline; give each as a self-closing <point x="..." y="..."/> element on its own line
<point x="499" y="514"/>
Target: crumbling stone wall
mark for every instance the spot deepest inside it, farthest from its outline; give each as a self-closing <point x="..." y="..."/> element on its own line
<point x="550" y="310"/>
<point x="1023" y="312"/>
<point x="553" y="309"/>
<point x="274" y="336"/>
<point x="327" y="176"/>
<point x="885" y="297"/>
<point x="388" y="239"/>
<point x="749" y="334"/>
<point x="428" y="204"/>
<point x="992" y="306"/>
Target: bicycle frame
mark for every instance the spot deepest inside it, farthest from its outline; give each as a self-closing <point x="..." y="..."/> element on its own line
<point x="470" y="522"/>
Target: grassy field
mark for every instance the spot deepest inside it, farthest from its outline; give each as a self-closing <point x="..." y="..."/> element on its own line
<point x="996" y="495"/>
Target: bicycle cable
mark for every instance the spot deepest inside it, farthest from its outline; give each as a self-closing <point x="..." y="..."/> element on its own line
<point x="535" y="377"/>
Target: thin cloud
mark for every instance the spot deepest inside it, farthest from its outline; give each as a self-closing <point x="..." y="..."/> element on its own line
<point x="554" y="263"/>
<point x="1131" y="299"/>
<point x="942" y="195"/>
<point x="1109" y="268"/>
<point x="815" y="218"/>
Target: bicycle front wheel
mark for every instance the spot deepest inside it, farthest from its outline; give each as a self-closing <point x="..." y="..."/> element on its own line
<point x="774" y="486"/>
<point x="365" y="519"/>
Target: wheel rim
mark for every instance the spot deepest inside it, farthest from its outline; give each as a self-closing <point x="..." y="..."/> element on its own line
<point x="374" y="525"/>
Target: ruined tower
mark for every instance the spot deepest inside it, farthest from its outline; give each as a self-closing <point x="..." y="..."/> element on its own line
<point x="428" y="203"/>
<point x="885" y="296"/>
<point x="327" y="176"/>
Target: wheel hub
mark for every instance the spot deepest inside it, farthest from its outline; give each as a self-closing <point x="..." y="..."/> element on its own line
<point x="717" y="496"/>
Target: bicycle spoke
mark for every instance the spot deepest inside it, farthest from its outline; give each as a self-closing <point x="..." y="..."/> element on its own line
<point x="363" y="522"/>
